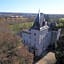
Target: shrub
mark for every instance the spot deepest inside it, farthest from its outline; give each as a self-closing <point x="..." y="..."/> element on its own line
<point x="12" y="51"/>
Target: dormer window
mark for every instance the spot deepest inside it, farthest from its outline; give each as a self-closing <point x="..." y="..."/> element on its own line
<point x="43" y="23"/>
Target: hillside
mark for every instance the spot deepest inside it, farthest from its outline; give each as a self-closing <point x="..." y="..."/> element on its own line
<point x="12" y="51"/>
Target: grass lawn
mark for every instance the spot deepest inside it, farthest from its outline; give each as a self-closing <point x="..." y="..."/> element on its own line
<point x="15" y="28"/>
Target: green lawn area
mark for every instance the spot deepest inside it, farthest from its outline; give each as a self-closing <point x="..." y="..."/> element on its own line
<point x="15" y="28"/>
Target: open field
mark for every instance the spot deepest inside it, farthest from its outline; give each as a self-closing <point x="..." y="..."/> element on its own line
<point x="17" y="27"/>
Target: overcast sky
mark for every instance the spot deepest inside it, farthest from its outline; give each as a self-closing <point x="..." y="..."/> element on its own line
<point x="32" y="6"/>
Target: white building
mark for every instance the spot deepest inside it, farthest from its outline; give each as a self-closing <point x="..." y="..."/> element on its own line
<point x="39" y="36"/>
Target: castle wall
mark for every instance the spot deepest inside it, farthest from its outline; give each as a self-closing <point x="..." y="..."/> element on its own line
<point x="38" y="41"/>
<point x="44" y="41"/>
<point x="26" y="39"/>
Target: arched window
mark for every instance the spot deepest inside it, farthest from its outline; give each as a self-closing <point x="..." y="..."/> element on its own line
<point x="34" y="34"/>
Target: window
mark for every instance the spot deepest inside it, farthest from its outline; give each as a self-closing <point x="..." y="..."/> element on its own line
<point x="34" y="34"/>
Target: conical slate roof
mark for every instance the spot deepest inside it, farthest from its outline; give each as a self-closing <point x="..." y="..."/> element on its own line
<point x="39" y="21"/>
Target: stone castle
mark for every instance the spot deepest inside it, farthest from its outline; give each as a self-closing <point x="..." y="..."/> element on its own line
<point x="40" y="35"/>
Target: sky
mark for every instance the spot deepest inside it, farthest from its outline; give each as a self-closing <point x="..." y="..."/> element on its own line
<point x="32" y="6"/>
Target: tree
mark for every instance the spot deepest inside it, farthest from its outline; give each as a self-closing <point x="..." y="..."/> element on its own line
<point x="60" y="23"/>
<point x="59" y="51"/>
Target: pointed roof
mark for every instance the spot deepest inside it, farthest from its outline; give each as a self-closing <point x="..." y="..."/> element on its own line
<point x="39" y="21"/>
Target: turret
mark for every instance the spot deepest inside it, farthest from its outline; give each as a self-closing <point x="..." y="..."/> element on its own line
<point x="39" y="21"/>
